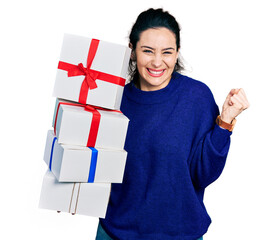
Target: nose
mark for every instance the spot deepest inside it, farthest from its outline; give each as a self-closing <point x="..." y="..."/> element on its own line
<point x="157" y="61"/>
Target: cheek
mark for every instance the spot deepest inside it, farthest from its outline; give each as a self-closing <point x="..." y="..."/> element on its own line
<point x="172" y="62"/>
<point x="142" y="61"/>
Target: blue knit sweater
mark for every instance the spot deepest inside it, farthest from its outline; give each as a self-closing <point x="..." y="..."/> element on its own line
<point x="175" y="150"/>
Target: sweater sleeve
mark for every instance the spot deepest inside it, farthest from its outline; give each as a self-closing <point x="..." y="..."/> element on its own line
<point x="211" y="143"/>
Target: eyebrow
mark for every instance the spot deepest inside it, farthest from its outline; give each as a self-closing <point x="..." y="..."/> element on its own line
<point x="169" y="48"/>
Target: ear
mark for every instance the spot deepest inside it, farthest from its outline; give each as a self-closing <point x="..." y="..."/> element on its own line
<point x="177" y="55"/>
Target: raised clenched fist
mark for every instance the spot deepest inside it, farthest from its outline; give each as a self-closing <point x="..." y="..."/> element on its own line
<point x="236" y="102"/>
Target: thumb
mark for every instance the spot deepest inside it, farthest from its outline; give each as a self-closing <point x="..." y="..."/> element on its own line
<point x="230" y="94"/>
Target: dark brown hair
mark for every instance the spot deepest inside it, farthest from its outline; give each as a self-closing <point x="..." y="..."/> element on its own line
<point x="152" y="18"/>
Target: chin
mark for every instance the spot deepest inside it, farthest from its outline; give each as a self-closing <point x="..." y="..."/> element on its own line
<point x="155" y="84"/>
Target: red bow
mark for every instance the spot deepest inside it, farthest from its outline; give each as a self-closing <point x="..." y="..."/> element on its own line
<point x="90" y="74"/>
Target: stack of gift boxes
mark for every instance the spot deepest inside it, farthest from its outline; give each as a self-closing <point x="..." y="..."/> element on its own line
<point x="85" y="150"/>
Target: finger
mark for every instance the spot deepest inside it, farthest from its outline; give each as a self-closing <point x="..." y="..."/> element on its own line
<point x="240" y="97"/>
<point x="236" y="90"/>
<point x="238" y="103"/>
<point x="233" y="92"/>
<point x="230" y="94"/>
<point x="243" y="96"/>
<point x="240" y="93"/>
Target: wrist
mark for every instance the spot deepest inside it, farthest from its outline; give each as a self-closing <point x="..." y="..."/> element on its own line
<point x="226" y="119"/>
<point x="226" y="125"/>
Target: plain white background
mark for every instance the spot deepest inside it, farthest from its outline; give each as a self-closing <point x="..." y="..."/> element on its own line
<point x="226" y="44"/>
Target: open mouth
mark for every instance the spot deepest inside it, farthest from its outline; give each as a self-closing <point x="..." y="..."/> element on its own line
<point x="155" y="73"/>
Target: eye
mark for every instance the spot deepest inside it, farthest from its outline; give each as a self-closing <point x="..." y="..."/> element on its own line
<point x="147" y="51"/>
<point x="167" y="52"/>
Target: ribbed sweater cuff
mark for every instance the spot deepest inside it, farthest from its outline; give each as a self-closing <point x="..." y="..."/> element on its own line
<point x="220" y="138"/>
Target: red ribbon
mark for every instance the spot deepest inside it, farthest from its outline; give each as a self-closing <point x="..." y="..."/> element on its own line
<point x="94" y="127"/>
<point x="91" y="75"/>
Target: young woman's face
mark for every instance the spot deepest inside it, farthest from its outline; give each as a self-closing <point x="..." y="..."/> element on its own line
<point x="156" y="56"/>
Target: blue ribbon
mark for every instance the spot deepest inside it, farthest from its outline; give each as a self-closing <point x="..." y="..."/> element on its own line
<point x="93" y="164"/>
<point x="52" y="150"/>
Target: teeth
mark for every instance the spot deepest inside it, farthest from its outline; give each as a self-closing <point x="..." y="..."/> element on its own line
<point x="155" y="72"/>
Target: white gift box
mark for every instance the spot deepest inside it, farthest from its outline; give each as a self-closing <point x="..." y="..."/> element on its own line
<point x="78" y="198"/>
<point x="82" y="164"/>
<point x="73" y="125"/>
<point x="109" y="59"/>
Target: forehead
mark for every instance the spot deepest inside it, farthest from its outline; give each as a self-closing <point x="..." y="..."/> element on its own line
<point x="157" y="37"/>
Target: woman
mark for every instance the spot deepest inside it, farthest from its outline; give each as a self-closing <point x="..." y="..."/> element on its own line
<point x="176" y="144"/>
